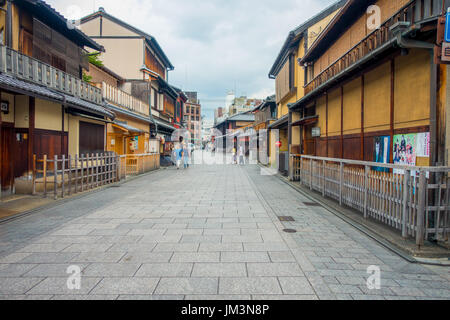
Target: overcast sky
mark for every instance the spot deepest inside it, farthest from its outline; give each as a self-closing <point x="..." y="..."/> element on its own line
<point x="215" y="45"/>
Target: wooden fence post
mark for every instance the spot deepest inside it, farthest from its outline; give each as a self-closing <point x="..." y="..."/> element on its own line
<point x="70" y="175"/>
<point x="45" y="174"/>
<point x="421" y="208"/>
<point x="34" y="175"/>
<point x="96" y="170"/>
<point x="82" y="172"/>
<point x="76" y="173"/>
<point x="55" y="176"/>
<point x="63" y="167"/>
<point x="366" y="190"/>
<point x="310" y="173"/>
<point x="341" y="182"/>
<point x="406" y="178"/>
<point x="323" y="178"/>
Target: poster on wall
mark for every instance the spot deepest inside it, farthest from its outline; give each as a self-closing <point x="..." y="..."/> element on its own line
<point x="423" y="145"/>
<point x="381" y="152"/>
<point x="405" y="150"/>
<point x="409" y="147"/>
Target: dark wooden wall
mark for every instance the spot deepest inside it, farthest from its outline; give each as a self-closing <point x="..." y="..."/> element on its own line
<point x="92" y="138"/>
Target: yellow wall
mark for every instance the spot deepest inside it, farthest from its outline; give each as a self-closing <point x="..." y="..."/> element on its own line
<point x="352" y="107"/>
<point x="295" y="130"/>
<point x="321" y="111"/>
<point x="22" y="112"/>
<point x="412" y="89"/>
<point x="48" y="116"/>
<point x="334" y="112"/>
<point x="315" y="30"/>
<point x="377" y="97"/>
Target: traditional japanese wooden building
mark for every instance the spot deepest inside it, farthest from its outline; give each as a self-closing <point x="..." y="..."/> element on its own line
<point x="46" y="107"/>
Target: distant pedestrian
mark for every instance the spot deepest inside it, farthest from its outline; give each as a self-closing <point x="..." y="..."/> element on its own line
<point x="186" y="155"/>
<point x="179" y="152"/>
<point x="234" y="156"/>
<point x="241" y="155"/>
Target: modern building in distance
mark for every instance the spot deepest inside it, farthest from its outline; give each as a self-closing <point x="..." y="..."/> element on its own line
<point x="193" y="117"/>
<point x="207" y="127"/>
<point x="243" y="104"/>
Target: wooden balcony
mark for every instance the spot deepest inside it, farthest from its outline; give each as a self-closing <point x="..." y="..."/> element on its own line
<point x="124" y="100"/>
<point x="30" y="69"/>
<point x="414" y="12"/>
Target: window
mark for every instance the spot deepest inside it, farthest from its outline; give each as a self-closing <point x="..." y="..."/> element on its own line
<point x="160" y="102"/>
<point x="291" y="71"/>
<point x="188" y="109"/>
<point x="154" y="100"/>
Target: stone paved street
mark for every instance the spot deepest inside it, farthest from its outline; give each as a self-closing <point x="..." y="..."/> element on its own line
<point x="210" y="232"/>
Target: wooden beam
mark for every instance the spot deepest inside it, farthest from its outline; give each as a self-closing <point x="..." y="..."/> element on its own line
<point x="31" y="125"/>
<point x="1" y="148"/>
<point x="391" y="122"/>
<point x="326" y="122"/>
<point x="362" y="119"/>
<point x="342" y="122"/>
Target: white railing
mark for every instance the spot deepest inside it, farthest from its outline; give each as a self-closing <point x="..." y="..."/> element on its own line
<point x="413" y="200"/>
<point x="124" y="100"/>
<point x="30" y="69"/>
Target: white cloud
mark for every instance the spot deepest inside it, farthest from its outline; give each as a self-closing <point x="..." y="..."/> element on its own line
<point x="215" y="45"/>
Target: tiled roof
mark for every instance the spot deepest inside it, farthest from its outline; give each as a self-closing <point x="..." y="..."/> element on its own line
<point x="21" y="86"/>
<point x="88" y="106"/>
<point x="14" y="83"/>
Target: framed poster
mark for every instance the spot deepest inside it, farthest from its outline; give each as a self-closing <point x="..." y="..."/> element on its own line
<point x="381" y="152"/>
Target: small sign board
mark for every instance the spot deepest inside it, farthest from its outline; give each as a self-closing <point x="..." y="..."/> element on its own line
<point x="447" y="26"/>
<point x="445" y="56"/>
<point x="4" y="106"/>
<point x="315" y="132"/>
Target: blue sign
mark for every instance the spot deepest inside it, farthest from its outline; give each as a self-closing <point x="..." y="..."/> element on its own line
<point x="447" y="26"/>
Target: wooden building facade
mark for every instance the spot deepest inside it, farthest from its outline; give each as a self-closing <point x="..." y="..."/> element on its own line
<point x="363" y="86"/>
<point x="46" y="107"/>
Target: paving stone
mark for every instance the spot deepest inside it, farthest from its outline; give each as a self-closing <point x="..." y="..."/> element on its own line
<point x="146" y="257"/>
<point x="49" y="257"/>
<point x="213" y="247"/>
<point x="276" y="246"/>
<point x="281" y="256"/>
<point x="176" y="247"/>
<point x="195" y="257"/>
<point x="258" y="285"/>
<point x="201" y="239"/>
<point x="52" y="270"/>
<point x="295" y="285"/>
<point x="132" y="247"/>
<point x="111" y="269"/>
<point x="60" y="286"/>
<point x="219" y="270"/>
<point x="221" y="297"/>
<point x="85" y="297"/>
<point x="15" y="286"/>
<point x="187" y="286"/>
<point x="274" y="270"/>
<point x="85" y="247"/>
<point x="126" y="286"/>
<point x="14" y="270"/>
<point x="244" y="257"/>
<point x="165" y="270"/>
<point x="98" y="257"/>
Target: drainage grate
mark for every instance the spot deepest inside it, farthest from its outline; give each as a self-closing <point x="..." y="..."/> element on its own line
<point x="290" y="230"/>
<point x="285" y="218"/>
<point x="312" y="204"/>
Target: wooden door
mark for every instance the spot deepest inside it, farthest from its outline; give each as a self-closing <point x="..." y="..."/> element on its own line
<point x="92" y="138"/>
<point x="20" y="152"/>
<point x="7" y="157"/>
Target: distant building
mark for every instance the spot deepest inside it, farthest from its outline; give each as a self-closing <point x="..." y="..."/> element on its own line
<point x="243" y="104"/>
<point x="193" y="117"/>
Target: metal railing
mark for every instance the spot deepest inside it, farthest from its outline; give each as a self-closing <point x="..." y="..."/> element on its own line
<point x="124" y="100"/>
<point x="30" y="69"/>
<point x="413" y="12"/>
<point x="413" y="200"/>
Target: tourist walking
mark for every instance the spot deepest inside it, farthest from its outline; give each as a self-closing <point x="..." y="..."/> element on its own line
<point x="179" y="152"/>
